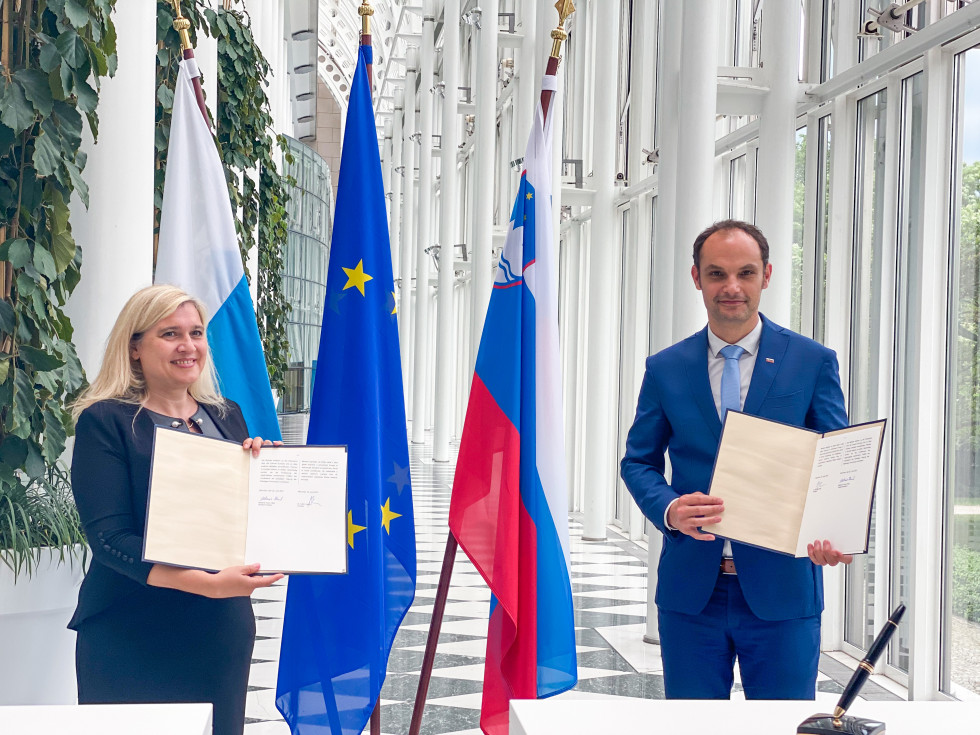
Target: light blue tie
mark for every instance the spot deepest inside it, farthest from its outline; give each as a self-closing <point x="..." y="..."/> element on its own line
<point x="731" y="380"/>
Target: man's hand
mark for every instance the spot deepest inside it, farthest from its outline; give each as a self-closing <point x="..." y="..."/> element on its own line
<point x="692" y="511"/>
<point x="822" y="554"/>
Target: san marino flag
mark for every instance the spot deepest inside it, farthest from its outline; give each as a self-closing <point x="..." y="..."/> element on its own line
<point x="509" y="508"/>
<point x="199" y="253"/>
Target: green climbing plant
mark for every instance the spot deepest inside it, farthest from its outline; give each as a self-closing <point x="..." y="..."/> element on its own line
<point x="53" y="54"/>
<point x="248" y="149"/>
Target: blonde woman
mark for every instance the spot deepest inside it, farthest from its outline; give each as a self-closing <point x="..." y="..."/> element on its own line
<point x="151" y="632"/>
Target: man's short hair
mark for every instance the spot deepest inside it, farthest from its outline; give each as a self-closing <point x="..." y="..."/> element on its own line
<point x="732" y="224"/>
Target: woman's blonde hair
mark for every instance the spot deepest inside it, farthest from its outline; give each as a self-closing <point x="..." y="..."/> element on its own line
<point x="120" y="376"/>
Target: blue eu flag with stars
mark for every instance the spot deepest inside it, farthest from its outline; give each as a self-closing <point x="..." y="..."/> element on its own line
<point x="338" y="630"/>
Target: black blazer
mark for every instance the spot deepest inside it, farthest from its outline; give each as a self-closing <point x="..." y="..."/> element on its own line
<point x="110" y="474"/>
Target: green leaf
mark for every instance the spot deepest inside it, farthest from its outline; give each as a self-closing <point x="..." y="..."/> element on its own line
<point x="8" y="322"/>
<point x="40" y="360"/>
<point x="69" y="123"/>
<point x="77" y="13"/>
<point x="13" y="452"/>
<point x="99" y="62"/>
<point x="36" y="89"/>
<point x="109" y="42"/>
<point x="18" y="113"/>
<point x="50" y="57"/>
<point x="44" y="262"/>
<point x="24" y="403"/>
<point x="63" y="250"/>
<point x="34" y="465"/>
<point x="87" y="97"/>
<point x="54" y="435"/>
<point x="165" y="96"/>
<point x="16" y="252"/>
<point x="47" y="154"/>
<point x="75" y="173"/>
<point x="73" y="49"/>
<point x="57" y="208"/>
<point x="4" y="368"/>
<point x="67" y="78"/>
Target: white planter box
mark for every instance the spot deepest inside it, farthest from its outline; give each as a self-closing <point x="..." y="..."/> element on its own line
<point x="37" y="651"/>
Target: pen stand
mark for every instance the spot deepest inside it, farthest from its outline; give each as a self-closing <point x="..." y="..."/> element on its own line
<point x="825" y="725"/>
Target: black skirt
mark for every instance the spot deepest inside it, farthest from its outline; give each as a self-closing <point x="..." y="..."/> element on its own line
<point x="162" y="645"/>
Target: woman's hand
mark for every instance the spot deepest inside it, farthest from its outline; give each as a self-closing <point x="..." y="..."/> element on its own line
<point x="230" y="582"/>
<point x="256" y="444"/>
<point x="240" y="581"/>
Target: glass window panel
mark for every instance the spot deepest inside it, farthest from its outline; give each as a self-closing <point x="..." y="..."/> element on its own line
<point x="907" y="347"/>
<point x="822" y="229"/>
<point x="866" y="337"/>
<point x="827" y="37"/>
<point x="305" y="270"/>
<point x="961" y="634"/>
<point x="736" y="188"/>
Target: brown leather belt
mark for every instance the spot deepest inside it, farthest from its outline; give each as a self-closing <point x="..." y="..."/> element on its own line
<point x="728" y="566"/>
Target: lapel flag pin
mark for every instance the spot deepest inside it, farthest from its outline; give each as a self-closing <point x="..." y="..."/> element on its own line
<point x="769" y="359"/>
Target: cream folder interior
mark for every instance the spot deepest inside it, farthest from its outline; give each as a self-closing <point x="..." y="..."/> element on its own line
<point x="212" y="505"/>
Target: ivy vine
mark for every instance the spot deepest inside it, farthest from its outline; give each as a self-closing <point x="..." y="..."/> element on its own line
<point x="53" y="54"/>
<point x="247" y="147"/>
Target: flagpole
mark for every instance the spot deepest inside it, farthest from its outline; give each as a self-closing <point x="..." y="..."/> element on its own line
<point x="182" y="26"/>
<point x="366" y="11"/>
<point x="565" y="8"/>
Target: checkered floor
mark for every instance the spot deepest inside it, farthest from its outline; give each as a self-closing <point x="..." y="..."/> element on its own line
<point x="609" y="584"/>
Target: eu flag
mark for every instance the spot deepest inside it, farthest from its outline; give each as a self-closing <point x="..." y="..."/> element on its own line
<point x="338" y="630"/>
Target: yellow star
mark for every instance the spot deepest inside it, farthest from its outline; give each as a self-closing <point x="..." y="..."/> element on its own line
<point x="352" y="528"/>
<point x="357" y="277"/>
<point x="529" y="195"/>
<point x="388" y="515"/>
<point x="394" y="308"/>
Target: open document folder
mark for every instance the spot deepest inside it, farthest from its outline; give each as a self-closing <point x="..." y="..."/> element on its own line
<point x="212" y="505"/>
<point x="785" y="487"/>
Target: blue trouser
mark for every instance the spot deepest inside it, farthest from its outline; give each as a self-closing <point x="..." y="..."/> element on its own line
<point x="776" y="659"/>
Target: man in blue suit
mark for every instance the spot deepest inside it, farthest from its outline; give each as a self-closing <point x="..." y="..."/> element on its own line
<point x="721" y="600"/>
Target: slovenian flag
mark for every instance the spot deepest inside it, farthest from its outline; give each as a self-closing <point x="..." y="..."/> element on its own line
<point x="198" y="252"/>
<point x="509" y="508"/>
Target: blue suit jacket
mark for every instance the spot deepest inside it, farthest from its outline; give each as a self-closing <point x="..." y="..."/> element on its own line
<point x="795" y="381"/>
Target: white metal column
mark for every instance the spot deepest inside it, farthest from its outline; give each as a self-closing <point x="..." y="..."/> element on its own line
<point x="527" y="82"/>
<point x="486" y="142"/>
<point x="405" y="301"/>
<point x="397" y="179"/>
<point x="777" y="149"/>
<point x="388" y="175"/>
<point x="601" y="398"/>
<point x="696" y="96"/>
<point x="927" y="503"/>
<point x="116" y="231"/>
<point x="423" y="298"/>
<point x="445" y="384"/>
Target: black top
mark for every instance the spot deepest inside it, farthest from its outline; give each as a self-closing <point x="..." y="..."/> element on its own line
<point x="110" y="474"/>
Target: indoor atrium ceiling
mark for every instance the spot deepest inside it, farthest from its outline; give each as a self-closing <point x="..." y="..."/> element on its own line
<point x="339" y="31"/>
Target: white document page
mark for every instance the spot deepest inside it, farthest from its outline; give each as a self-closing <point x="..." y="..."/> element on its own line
<point x="838" y="503"/>
<point x="196" y="516"/>
<point x="297" y="509"/>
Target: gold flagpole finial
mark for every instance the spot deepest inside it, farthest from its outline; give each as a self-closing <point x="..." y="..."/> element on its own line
<point x="565" y="8"/>
<point x="182" y="25"/>
<point x="365" y="11"/>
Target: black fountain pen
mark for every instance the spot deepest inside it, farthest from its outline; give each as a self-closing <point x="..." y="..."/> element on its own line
<point x="838" y="723"/>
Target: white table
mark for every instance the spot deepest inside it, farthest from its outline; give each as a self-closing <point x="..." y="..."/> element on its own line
<point x="623" y="715"/>
<point x="108" y="719"/>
